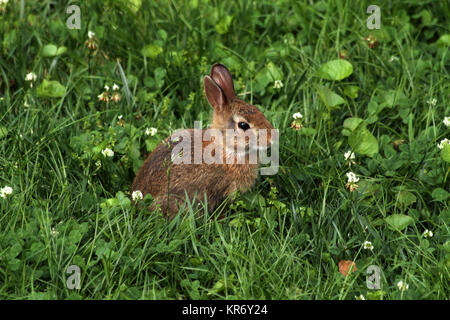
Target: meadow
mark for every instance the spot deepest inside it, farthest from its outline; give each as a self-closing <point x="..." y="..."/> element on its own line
<point x="363" y="118"/>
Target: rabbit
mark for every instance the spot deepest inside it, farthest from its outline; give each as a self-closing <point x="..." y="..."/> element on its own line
<point x="170" y="184"/>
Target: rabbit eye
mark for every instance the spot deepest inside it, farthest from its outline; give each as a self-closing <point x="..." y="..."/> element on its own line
<point x="243" y="125"/>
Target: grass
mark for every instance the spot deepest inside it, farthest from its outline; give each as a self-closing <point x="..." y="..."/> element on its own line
<point x="285" y="238"/>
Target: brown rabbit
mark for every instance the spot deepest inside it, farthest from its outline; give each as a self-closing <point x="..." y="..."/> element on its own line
<point x="170" y="183"/>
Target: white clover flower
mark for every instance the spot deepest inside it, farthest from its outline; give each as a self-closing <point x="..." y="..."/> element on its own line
<point x="352" y="177"/>
<point x="368" y="245"/>
<point x="360" y="297"/>
<point x="278" y="84"/>
<point x="120" y="117"/>
<point x="443" y="142"/>
<point x="3" y="2"/>
<point x="297" y="115"/>
<point x="90" y="42"/>
<point x="103" y="97"/>
<point x="5" y="191"/>
<point x="31" y="76"/>
<point x="151" y="131"/>
<point x="349" y="155"/>
<point x="392" y="58"/>
<point x="115" y="87"/>
<point x="446" y="121"/>
<point x="137" y="195"/>
<point x="106" y="87"/>
<point x="352" y="180"/>
<point x="402" y="286"/>
<point x="116" y="96"/>
<point x="427" y="233"/>
<point x="107" y="152"/>
<point x="432" y="102"/>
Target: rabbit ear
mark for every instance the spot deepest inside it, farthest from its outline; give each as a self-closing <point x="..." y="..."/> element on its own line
<point x="214" y="94"/>
<point x="222" y="77"/>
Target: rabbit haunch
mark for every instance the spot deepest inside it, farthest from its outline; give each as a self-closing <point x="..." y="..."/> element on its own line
<point x="170" y="183"/>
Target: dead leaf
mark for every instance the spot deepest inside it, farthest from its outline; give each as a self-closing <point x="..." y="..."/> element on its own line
<point x="345" y="265"/>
